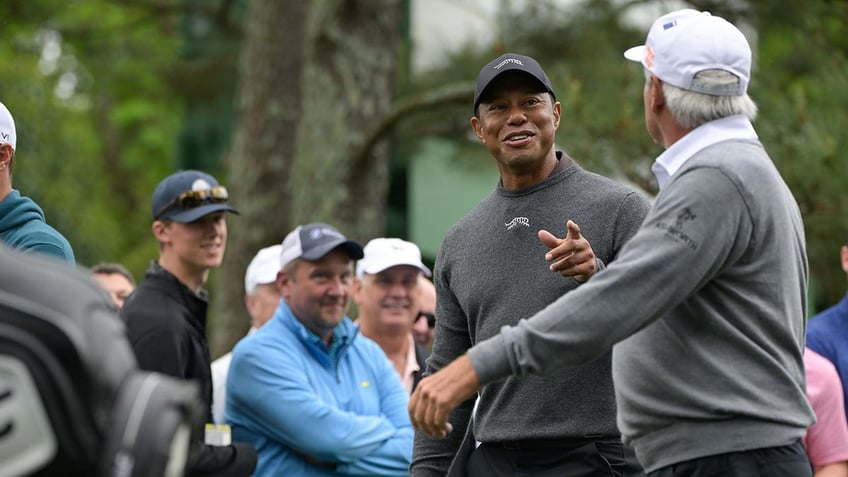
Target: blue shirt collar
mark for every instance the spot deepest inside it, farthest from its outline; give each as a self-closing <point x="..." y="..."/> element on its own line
<point x="343" y="333"/>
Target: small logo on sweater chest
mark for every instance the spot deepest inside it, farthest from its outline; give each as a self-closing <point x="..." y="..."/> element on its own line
<point x="517" y="221"/>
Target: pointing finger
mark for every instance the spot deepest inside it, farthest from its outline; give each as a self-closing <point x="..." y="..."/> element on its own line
<point x="573" y="230"/>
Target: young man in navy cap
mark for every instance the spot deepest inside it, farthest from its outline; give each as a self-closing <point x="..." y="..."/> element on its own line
<point x="503" y="261"/>
<point x="166" y="314"/>
<point x="705" y="304"/>
<point x="315" y="396"/>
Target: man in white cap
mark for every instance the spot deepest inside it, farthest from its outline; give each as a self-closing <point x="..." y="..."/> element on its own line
<point x="261" y="297"/>
<point x="705" y="304"/>
<point x="314" y="396"/>
<point x="22" y="223"/>
<point x="387" y="292"/>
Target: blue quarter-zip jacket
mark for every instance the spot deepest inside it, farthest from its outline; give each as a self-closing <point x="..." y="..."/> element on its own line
<point x="291" y="396"/>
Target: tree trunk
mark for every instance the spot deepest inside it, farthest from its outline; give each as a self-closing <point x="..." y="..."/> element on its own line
<point x="349" y="85"/>
<point x="314" y="78"/>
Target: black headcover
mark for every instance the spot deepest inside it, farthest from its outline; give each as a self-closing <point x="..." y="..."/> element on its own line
<point x="72" y="400"/>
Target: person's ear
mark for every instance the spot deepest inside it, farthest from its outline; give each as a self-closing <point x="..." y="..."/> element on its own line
<point x="284" y="281"/>
<point x="557" y="113"/>
<point x="478" y="128"/>
<point x="161" y="231"/>
<point x="6" y="153"/>
<point x="656" y="97"/>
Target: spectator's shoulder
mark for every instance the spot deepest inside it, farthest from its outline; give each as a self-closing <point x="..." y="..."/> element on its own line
<point x="151" y="308"/>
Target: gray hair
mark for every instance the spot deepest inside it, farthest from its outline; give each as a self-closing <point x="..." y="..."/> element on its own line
<point x="691" y="109"/>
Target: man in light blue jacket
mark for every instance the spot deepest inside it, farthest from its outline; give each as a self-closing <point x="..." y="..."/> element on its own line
<point x="313" y="396"/>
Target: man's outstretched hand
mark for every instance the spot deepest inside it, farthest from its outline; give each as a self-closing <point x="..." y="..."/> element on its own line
<point x="436" y="396"/>
<point x="572" y="256"/>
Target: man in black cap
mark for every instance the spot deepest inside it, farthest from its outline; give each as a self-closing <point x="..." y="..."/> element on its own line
<point x="504" y="261"/>
<point x="705" y="305"/>
<point x="166" y="314"/>
<point x="313" y="395"/>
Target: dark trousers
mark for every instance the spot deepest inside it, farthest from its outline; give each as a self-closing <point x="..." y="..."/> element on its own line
<point x="603" y="458"/>
<point x="786" y="461"/>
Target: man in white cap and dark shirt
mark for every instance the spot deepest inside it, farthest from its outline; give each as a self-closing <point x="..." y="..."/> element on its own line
<point x="705" y="304"/>
<point x="22" y="223"/>
<point x="261" y="297"/>
<point x="387" y="292"/>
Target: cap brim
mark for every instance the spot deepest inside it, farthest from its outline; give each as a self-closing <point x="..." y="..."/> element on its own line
<point x="379" y="267"/>
<point x="637" y="53"/>
<point x="191" y="215"/>
<point x="353" y="249"/>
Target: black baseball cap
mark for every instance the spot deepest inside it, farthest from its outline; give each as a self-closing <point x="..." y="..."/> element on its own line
<point x="313" y="241"/>
<point x="510" y="62"/>
<point x="210" y="197"/>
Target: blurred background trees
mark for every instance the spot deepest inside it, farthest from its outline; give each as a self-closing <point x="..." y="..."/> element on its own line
<point x="312" y="111"/>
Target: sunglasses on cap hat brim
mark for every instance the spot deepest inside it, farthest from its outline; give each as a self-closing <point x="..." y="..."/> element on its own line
<point x="195" y="198"/>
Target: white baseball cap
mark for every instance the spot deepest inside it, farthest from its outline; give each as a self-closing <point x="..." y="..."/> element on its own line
<point x="263" y="268"/>
<point x="383" y="253"/>
<point x="7" y="127"/>
<point x="685" y="42"/>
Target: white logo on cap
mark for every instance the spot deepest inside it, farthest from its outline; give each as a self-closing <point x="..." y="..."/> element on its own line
<point x="200" y="184"/>
<point x="508" y="60"/>
<point x="318" y="233"/>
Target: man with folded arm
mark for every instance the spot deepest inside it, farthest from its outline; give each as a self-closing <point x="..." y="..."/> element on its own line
<point x="312" y="394"/>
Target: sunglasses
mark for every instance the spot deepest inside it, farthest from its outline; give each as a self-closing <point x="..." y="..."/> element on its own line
<point x="431" y="318"/>
<point x="196" y="198"/>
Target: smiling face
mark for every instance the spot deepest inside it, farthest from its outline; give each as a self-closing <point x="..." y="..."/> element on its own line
<point x="200" y="243"/>
<point x="517" y="122"/>
<point x="388" y="300"/>
<point x="318" y="291"/>
<point x="190" y="250"/>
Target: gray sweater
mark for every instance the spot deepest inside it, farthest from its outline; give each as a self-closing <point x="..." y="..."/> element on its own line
<point x="707" y="306"/>
<point x="490" y="272"/>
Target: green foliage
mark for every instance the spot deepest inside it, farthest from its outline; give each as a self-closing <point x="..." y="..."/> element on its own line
<point x="799" y="80"/>
<point x="87" y="86"/>
<point x="800" y="89"/>
<point x="102" y="121"/>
